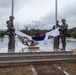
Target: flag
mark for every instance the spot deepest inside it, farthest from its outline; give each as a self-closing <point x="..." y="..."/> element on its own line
<point x="52" y="33"/>
<point x="40" y="37"/>
<point x="46" y="36"/>
<point x="21" y="34"/>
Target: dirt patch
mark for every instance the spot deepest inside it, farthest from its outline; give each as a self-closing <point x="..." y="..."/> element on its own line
<point x="69" y="67"/>
<point x="74" y="51"/>
<point x="23" y="70"/>
<point x="26" y="70"/>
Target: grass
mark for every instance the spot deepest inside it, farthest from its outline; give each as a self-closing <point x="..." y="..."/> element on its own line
<point x="22" y="70"/>
<point x="69" y="67"/>
<point x="26" y="70"/>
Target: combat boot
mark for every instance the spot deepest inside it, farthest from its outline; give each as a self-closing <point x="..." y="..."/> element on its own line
<point x="62" y="49"/>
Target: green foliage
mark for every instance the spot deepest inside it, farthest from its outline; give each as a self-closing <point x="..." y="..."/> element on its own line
<point x="2" y="33"/>
<point x="33" y="32"/>
<point x="68" y="34"/>
<point x="71" y="32"/>
<point x="74" y="34"/>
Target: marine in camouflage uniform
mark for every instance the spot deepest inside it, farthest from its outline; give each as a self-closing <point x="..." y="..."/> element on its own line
<point x="10" y="31"/>
<point x="57" y="37"/>
<point x="63" y="33"/>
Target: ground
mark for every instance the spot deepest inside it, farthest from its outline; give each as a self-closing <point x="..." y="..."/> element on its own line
<point x="69" y="67"/>
<point x="26" y="70"/>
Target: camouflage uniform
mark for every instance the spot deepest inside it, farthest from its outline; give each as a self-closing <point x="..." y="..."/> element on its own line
<point x="63" y="32"/>
<point x="58" y="37"/>
<point x="11" y="31"/>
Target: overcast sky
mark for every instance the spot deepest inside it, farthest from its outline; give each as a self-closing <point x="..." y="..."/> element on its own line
<point x="43" y="11"/>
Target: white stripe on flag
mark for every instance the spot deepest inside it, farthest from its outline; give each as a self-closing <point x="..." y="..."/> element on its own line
<point x="21" y="34"/>
<point x="53" y="33"/>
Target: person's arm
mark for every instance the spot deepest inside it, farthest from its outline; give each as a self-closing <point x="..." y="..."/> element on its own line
<point x="65" y="27"/>
<point x="53" y="27"/>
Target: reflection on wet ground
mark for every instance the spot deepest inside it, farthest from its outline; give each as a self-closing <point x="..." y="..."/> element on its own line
<point x="43" y="45"/>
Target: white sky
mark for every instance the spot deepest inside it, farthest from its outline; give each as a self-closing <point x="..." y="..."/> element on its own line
<point x="26" y="11"/>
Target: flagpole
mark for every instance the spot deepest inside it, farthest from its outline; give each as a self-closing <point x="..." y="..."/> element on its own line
<point x="12" y="8"/>
<point x="56" y="13"/>
<point x="12" y="13"/>
<point x="55" y="38"/>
